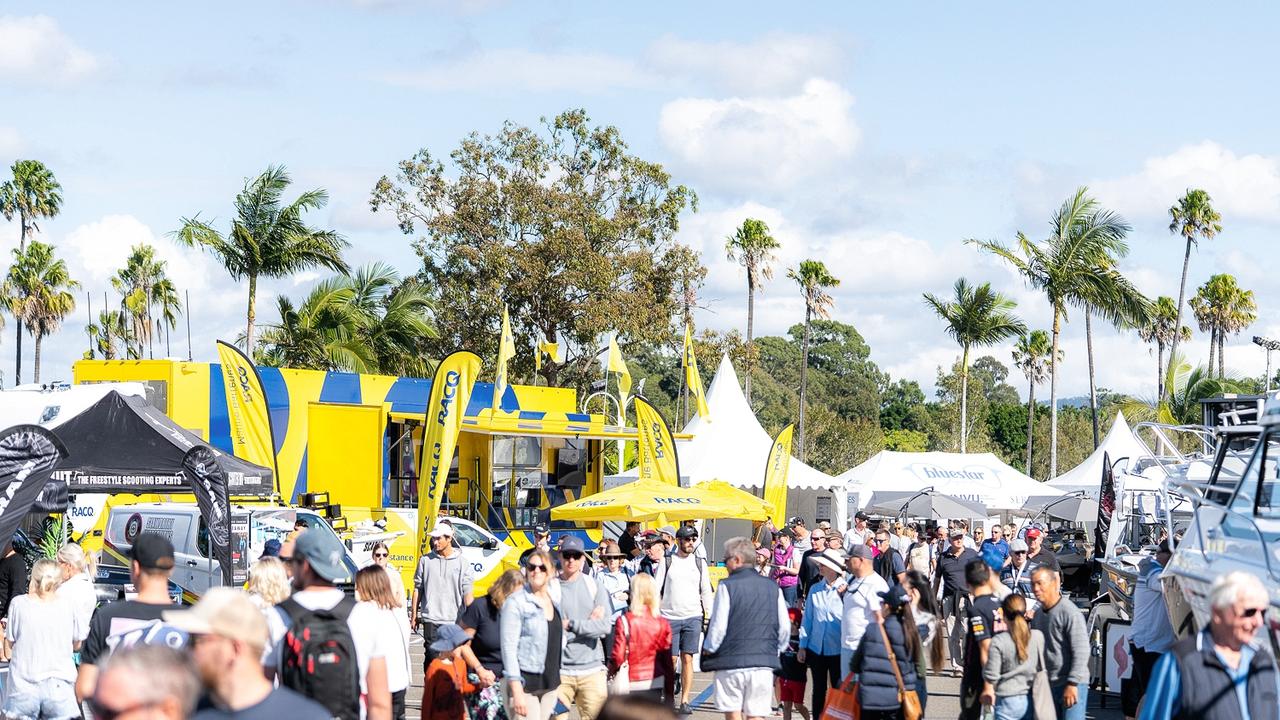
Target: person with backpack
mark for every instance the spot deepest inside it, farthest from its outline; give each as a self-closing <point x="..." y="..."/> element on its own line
<point x="686" y="600"/>
<point x="588" y="618"/>
<point x="332" y="649"/>
<point x="442" y="584"/>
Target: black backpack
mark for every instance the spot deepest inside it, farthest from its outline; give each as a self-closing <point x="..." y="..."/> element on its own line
<point x="318" y="657"/>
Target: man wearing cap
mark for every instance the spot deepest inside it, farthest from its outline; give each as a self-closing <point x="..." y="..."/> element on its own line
<point x="951" y="576"/>
<point x="861" y="601"/>
<point x="686" y="600"/>
<point x="668" y="535"/>
<point x="654" y="560"/>
<point x="1039" y="554"/>
<point x="809" y="574"/>
<point x="442" y="584"/>
<point x="858" y="534"/>
<point x="801" y="532"/>
<point x="317" y="560"/>
<point x="585" y="607"/>
<point x="627" y="541"/>
<point x="1017" y="574"/>
<point x="228" y="635"/>
<point x="126" y="622"/>
<point x="820" y="635"/>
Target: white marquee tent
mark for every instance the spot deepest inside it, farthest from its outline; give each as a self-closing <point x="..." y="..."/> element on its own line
<point x="981" y="477"/>
<point x="1120" y="444"/>
<point x="732" y="446"/>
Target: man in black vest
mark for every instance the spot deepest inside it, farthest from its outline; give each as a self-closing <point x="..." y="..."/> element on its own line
<point x="747" y="632"/>
<point x="1222" y="672"/>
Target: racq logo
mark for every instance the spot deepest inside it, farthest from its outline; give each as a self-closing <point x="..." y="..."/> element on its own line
<point x="659" y="448"/>
<point x="242" y="378"/>
<point x="677" y="501"/>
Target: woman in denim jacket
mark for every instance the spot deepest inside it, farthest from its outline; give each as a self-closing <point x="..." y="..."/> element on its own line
<point x="532" y="641"/>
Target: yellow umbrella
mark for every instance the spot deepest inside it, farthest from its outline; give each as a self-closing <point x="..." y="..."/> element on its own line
<point x="656" y="501"/>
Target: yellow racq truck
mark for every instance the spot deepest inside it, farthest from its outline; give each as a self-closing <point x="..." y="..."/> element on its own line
<point x="348" y="445"/>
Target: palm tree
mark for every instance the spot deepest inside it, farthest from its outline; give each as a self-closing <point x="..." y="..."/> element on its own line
<point x="165" y="295"/>
<point x="978" y="316"/>
<point x="107" y="332"/>
<point x="1161" y="329"/>
<point x="267" y="239"/>
<point x="31" y="194"/>
<point x="813" y="278"/>
<point x="1222" y="308"/>
<point x="1121" y="304"/>
<point x="1065" y="266"/>
<point x="1031" y="356"/>
<point x="137" y="282"/>
<point x="1185" y="387"/>
<point x="1193" y="217"/>
<point x="752" y="246"/>
<point x="39" y="284"/>
<point x="393" y="319"/>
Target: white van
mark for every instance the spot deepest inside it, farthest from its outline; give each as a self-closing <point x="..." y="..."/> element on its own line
<point x="195" y="570"/>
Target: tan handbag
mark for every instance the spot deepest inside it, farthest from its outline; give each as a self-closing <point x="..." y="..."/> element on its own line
<point x="909" y="699"/>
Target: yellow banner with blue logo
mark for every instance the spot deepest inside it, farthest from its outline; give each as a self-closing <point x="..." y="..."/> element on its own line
<point x="252" y="436"/>
<point x="506" y="349"/>
<point x="775" y="475"/>
<point x="692" y="379"/>
<point x="450" y="393"/>
<point x="657" y="448"/>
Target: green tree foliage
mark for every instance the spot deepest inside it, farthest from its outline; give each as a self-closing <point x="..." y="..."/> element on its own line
<point x="906" y="440"/>
<point x="563" y="225"/>
<point x="107" y="334"/>
<point x="1193" y="219"/>
<point x="1223" y="308"/>
<point x="1031" y="356"/>
<point x="30" y="194"/>
<point x="902" y="407"/>
<point x="38" y="288"/>
<point x="814" y="279"/>
<point x="1161" y="331"/>
<point x="267" y="238"/>
<point x="143" y="284"/>
<point x="752" y="247"/>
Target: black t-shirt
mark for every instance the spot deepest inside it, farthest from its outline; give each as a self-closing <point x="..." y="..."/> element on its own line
<point x="487" y="642"/>
<point x="280" y="704"/>
<point x="951" y="568"/>
<point x="626" y="544"/>
<point x="113" y="620"/>
<point x="809" y="573"/>
<point x="1047" y="558"/>
<point x="889" y="565"/>
<point x="13" y="580"/>
<point x="983" y="621"/>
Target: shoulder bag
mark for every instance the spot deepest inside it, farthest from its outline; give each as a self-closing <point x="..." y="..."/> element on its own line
<point x="909" y="699"/>
<point x="842" y="701"/>
<point x="621" y="682"/>
<point x="1042" y="693"/>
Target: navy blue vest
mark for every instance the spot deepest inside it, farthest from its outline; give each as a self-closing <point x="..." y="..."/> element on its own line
<point x="751" y="637"/>
<point x="1207" y="692"/>
<point x="877" y="685"/>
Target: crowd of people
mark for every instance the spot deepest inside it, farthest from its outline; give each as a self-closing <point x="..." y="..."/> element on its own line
<point x="617" y="634"/>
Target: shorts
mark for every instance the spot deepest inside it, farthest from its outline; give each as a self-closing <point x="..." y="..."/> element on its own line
<point x="686" y="636"/>
<point x="748" y="691"/>
<point x="51" y="698"/>
<point x="791" y="690"/>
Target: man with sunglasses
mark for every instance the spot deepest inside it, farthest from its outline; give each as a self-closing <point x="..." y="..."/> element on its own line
<point x="588" y="616"/>
<point x="1224" y="671"/>
<point x="995" y="549"/>
<point x="686" y="601"/>
<point x="889" y="563"/>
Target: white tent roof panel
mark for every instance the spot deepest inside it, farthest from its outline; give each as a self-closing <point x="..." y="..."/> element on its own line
<point x="981" y="477"/>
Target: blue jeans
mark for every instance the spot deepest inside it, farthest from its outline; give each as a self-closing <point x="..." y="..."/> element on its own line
<point x="1014" y="707"/>
<point x="789" y="594"/>
<point x="48" y="699"/>
<point x="1075" y="712"/>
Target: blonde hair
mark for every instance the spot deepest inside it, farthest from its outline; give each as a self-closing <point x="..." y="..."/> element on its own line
<point x="372" y="585"/>
<point x="644" y="596"/>
<point x="501" y="589"/>
<point x="45" y="578"/>
<point x="75" y="556"/>
<point x="268" y="580"/>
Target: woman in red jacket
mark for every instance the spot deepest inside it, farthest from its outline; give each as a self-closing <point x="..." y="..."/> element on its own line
<point x="642" y="642"/>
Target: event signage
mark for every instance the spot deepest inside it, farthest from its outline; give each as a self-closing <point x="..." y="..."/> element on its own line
<point x="692" y="379"/>
<point x="450" y="394"/>
<point x="775" y="475"/>
<point x="209" y="485"/>
<point x="657" y="449"/>
<point x="252" y="435"/>
<point x="27" y="452"/>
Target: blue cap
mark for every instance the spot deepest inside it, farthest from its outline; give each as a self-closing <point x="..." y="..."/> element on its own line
<point x="449" y="637"/>
<point x="271" y="548"/>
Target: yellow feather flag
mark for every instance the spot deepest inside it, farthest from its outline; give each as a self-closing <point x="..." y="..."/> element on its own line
<point x="618" y="365"/>
<point x="252" y="436"/>
<point x="775" y="475"/>
<point x="506" y="349"/>
<point x="450" y="393"/>
<point x="692" y="379"/>
<point x="658" y="459"/>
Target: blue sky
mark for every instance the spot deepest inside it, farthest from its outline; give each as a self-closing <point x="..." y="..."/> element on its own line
<point x="874" y="136"/>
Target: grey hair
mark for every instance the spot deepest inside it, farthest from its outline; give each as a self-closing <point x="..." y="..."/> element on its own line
<point x="1227" y="589"/>
<point x="741" y="548"/>
<point x="159" y="672"/>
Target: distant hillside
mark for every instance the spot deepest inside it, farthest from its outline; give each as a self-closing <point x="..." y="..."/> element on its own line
<point x="1081" y="401"/>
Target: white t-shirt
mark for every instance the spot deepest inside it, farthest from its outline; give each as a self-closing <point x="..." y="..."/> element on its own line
<point x="861" y="603"/>
<point x="686" y="589"/>
<point x="368" y="631"/>
<point x="78" y="591"/>
<point x="395" y="625"/>
<point x="42" y="633"/>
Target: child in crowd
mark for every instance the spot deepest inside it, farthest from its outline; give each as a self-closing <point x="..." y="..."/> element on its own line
<point x="791" y="678"/>
<point x="447" y="682"/>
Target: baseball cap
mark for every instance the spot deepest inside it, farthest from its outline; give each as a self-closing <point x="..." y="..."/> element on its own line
<point x="152" y="551"/>
<point x="788" y="532"/>
<point x="667" y="530"/>
<point x="449" y="637"/>
<point x="956" y="533"/>
<point x="324" y="553"/>
<point x="271" y="548"/>
<point x="225" y="612"/>
<point x="860" y="551"/>
<point x="541" y="530"/>
<point x="797" y="520"/>
<point x="895" y="596"/>
<point x="1033" y="533"/>
<point x="571" y="543"/>
<point x="861" y="516"/>
<point x="824" y="525"/>
<point x="764" y="552"/>
<point x="1016" y="545"/>
<point x="443" y="528"/>
<point x="687" y="532"/>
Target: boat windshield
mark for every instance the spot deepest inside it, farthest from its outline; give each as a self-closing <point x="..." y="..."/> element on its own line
<point x="1258" y="494"/>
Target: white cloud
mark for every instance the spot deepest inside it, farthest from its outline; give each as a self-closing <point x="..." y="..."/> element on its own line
<point x="529" y="71"/>
<point x="10" y="142"/>
<point x="758" y="142"/>
<point x="34" y="50"/>
<point x="305" y="277"/>
<point x="774" y="63"/>
<point x="1242" y="186"/>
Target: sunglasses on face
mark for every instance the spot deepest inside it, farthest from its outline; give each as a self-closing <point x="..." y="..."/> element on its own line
<point x="571" y="555"/>
<point x="1253" y="611"/>
<point x="535" y="567"/>
<point x="379" y="554"/>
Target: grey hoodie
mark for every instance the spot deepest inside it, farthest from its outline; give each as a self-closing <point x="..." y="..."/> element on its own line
<point x="583" y="651"/>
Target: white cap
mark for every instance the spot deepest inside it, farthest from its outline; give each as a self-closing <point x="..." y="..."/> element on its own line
<point x="443" y="528"/>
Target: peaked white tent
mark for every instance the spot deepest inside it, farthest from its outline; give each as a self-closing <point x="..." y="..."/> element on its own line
<point x="1119" y="443"/>
<point x="730" y="445"/>
<point x="981" y="477"/>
